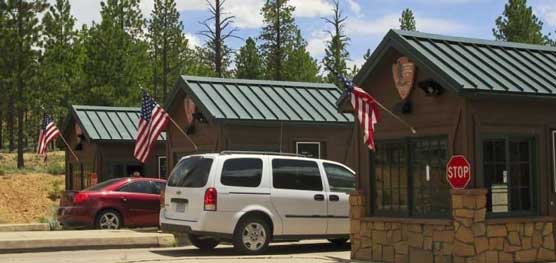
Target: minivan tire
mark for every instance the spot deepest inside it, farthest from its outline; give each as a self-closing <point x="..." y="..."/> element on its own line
<point x="204" y="244"/>
<point x="252" y="235"/>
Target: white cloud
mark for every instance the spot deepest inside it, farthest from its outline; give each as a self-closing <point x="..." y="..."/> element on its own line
<point x="317" y="43"/>
<point x="354" y="6"/>
<point x="380" y="26"/>
<point x="312" y="8"/>
<point x="194" y="40"/>
<point x="548" y="12"/>
<point x="358" y="62"/>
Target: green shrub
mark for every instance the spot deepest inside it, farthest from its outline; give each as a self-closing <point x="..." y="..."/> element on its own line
<point x="55" y="168"/>
<point x="55" y="191"/>
<point x="52" y="219"/>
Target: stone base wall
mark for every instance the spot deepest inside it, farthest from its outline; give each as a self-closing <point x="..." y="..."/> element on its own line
<point x="467" y="237"/>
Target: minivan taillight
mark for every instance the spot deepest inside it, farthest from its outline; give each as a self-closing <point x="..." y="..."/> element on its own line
<point x="210" y="199"/>
<point x="80" y="198"/>
<point x="162" y="199"/>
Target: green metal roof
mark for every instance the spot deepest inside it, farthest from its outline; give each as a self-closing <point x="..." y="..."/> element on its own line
<point x="475" y="65"/>
<point x="262" y="100"/>
<point x="108" y="124"/>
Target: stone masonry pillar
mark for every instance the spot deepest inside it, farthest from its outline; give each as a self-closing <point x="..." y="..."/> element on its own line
<point x="469" y="215"/>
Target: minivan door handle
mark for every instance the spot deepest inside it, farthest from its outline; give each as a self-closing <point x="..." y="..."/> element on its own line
<point x="334" y="198"/>
<point x="319" y="197"/>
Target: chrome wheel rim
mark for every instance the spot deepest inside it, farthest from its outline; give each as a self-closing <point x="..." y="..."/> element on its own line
<point x="109" y="221"/>
<point x="254" y="236"/>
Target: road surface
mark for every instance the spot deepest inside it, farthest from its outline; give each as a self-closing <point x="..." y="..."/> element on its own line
<point x="302" y="252"/>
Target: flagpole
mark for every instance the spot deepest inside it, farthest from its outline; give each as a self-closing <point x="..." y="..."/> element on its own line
<point x="396" y="117"/>
<point x="182" y="132"/>
<point x="69" y="148"/>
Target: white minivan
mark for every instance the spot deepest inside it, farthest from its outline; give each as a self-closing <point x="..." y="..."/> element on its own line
<point x="253" y="198"/>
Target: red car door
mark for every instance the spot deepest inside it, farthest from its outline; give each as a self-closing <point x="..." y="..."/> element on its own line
<point x="141" y="203"/>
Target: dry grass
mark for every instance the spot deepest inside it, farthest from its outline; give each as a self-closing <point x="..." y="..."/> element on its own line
<point x="24" y="194"/>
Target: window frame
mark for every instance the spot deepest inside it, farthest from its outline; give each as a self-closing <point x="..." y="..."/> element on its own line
<point x="533" y="180"/>
<point x="553" y="137"/>
<point x="406" y="145"/>
<point x="159" y="158"/>
<point x="309" y="143"/>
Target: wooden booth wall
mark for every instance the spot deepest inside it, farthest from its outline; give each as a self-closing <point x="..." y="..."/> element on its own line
<point x="262" y="136"/>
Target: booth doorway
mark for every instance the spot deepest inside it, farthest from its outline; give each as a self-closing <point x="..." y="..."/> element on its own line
<point x="509" y="173"/>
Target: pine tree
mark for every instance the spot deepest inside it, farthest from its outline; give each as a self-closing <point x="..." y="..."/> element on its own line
<point x="4" y="49"/>
<point x="23" y="35"/>
<point x="277" y="35"/>
<point x="217" y="34"/>
<point x="367" y="54"/>
<point x="299" y="65"/>
<point x="336" y="53"/>
<point x="407" y="21"/>
<point x="168" y="46"/>
<point x="118" y="63"/>
<point x="518" y="23"/>
<point x="248" y="61"/>
<point x="59" y="67"/>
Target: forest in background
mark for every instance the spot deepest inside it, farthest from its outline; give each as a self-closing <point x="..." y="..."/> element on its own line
<point x="49" y="63"/>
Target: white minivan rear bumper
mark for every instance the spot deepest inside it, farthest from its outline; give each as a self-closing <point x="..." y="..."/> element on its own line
<point x="216" y="222"/>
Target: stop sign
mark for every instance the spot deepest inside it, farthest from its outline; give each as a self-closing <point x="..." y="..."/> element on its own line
<point x="458" y="172"/>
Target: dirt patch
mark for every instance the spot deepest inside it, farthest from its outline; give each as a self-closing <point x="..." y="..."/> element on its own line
<point x="25" y="198"/>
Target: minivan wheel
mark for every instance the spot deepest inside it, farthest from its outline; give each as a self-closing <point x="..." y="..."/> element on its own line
<point x="339" y="242"/>
<point x="109" y="219"/>
<point x="203" y="243"/>
<point x="252" y="236"/>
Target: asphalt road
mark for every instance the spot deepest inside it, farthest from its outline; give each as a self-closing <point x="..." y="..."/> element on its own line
<point x="305" y="252"/>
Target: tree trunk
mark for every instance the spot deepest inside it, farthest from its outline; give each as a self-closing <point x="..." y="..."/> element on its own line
<point x="217" y="41"/>
<point x="10" y="123"/>
<point x="20" y="126"/>
<point x="1" y="127"/>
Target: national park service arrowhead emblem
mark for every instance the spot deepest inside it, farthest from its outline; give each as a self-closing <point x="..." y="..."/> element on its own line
<point x="404" y="75"/>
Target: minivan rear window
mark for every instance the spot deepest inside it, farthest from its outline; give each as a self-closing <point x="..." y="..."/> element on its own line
<point x="191" y="172"/>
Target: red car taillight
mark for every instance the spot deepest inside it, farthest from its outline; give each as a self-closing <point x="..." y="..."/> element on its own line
<point x="80" y="198"/>
<point x="162" y="199"/>
<point x="210" y="199"/>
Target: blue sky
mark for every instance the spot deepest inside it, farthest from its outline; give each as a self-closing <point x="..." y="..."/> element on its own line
<point x="368" y="20"/>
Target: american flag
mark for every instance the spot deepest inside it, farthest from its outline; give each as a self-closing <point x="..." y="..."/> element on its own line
<point x="49" y="132"/>
<point x="366" y="110"/>
<point x="153" y="120"/>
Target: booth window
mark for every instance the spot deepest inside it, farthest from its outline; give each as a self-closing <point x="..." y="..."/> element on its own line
<point x="162" y="167"/>
<point x="409" y="178"/>
<point x="554" y="158"/>
<point x="309" y="149"/>
<point x="508" y="172"/>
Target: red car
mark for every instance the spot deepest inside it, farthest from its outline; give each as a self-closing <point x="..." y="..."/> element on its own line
<point x="130" y="202"/>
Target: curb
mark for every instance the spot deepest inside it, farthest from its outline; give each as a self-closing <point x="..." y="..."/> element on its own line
<point x="40" y="244"/>
<point x="24" y="227"/>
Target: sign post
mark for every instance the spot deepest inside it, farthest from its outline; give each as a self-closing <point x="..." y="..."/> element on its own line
<point x="458" y="172"/>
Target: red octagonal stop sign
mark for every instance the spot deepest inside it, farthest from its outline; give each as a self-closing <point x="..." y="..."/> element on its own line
<point x="458" y="172"/>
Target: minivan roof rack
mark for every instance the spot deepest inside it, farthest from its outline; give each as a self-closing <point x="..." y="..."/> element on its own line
<point x="263" y="153"/>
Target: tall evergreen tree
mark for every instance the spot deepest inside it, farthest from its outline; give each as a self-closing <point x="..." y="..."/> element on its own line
<point x="299" y="65"/>
<point x="217" y="33"/>
<point x="518" y="23"/>
<point x="248" y="61"/>
<point x="117" y="64"/>
<point x="407" y="21"/>
<point x="23" y="33"/>
<point x="4" y="49"/>
<point x="277" y="36"/>
<point x="336" y="53"/>
<point x="58" y="67"/>
<point x="168" y="46"/>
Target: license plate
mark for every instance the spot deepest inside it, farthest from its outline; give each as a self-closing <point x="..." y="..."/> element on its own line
<point x="180" y="207"/>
